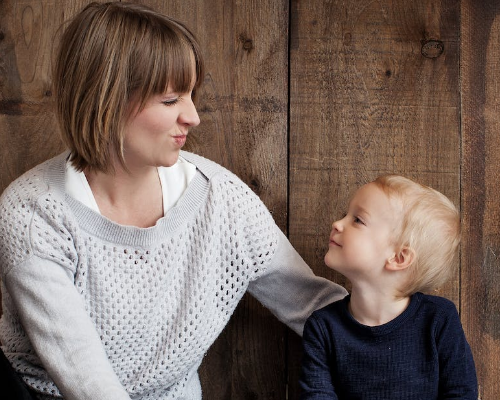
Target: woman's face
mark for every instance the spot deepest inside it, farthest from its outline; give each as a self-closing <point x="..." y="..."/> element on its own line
<point x="155" y="135"/>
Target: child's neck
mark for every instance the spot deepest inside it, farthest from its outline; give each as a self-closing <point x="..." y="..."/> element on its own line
<point x="375" y="307"/>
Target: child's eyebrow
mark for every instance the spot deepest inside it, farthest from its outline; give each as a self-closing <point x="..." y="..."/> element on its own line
<point x="361" y="210"/>
<point x="357" y="209"/>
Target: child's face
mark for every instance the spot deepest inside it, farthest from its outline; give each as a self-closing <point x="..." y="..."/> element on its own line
<point x="362" y="241"/>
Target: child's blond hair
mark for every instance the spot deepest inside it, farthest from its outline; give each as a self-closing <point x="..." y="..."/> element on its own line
<point x="430" y="227"/>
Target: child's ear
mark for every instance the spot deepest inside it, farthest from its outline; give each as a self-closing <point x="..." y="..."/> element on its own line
<point x="401" y="259"/>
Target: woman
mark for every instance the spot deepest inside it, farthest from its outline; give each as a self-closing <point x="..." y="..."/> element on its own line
<point x="124" y="258"/>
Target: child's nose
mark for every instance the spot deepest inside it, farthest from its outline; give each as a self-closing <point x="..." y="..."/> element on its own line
<point x="337" y="225"/>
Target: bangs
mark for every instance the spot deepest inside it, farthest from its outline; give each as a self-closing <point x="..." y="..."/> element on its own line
<point x="170" y="57"/>
<point x="182" y="74"/>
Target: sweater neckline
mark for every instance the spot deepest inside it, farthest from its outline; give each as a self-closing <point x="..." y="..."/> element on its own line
<point x="99" y="226"/>
<point x="381" y="330"/>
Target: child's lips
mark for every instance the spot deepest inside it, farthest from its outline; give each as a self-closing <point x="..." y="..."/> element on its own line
<point x="334" y="243"/>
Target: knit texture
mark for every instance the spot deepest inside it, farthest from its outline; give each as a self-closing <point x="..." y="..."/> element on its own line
<point x="89" y="298"/>
<point x="421" y="354"/>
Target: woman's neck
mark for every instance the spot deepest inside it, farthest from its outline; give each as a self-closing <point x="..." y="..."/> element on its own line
<point x="128" y="198"/>
<point x="373" y="307"/>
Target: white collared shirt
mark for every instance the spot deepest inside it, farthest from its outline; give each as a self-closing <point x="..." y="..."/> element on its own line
<point x="174" y="180"/>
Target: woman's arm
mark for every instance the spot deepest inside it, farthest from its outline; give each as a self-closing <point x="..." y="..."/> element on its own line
<point x="37" y="266"/>
<point x="62" y="334"/>
<point x="289" y="288"/>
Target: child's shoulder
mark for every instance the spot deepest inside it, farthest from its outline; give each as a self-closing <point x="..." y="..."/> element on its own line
<point x="437" y="301"/>
<point x="437" y="305"/>
<point x="335" y="308"/>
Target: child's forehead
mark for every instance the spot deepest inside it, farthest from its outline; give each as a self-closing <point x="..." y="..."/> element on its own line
<point x="369" y="191"/>
<point x="373" y="199"/>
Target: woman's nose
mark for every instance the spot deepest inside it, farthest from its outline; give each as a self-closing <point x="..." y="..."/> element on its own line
<point x="188" y="115"/>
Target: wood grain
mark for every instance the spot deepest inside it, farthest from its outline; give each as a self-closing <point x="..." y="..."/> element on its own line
<point x="28" y="131"/>
<point x="480" y="300"/>
<point x="373" y="90"/>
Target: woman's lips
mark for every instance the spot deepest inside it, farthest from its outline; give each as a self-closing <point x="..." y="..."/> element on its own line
<point x="180" y="140"/>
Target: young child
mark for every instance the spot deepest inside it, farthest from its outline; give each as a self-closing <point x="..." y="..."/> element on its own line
<point x="388" y="340"/>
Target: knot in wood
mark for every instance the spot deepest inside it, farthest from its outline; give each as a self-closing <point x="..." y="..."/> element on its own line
<point x="247" y="43"/>
<point x="2" y="36"/>
<point x="347" y="39"/>
<point x="255" y="185"/>
<point x="432" y="48"/>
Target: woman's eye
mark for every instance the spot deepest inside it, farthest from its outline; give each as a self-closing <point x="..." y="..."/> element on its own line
<point x="170" y="102"/>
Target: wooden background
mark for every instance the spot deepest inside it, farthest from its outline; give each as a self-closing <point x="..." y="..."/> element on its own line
<point x="306" y="100"/>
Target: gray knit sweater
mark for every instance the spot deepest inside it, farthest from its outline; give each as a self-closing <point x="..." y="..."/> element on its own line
<point x="96" y="310"/>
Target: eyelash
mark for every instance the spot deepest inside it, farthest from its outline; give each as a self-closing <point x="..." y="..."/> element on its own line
<point x="169" y="103"/>
<point x="357" y="220"/>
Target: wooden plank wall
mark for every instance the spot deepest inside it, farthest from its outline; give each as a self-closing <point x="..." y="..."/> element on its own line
<point x="480" y="145"/>
<point x="306" y="100"/>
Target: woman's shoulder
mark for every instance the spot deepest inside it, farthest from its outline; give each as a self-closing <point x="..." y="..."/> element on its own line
<point x="31" y="184"/>
<point x="30" y="192"/>
<point x="207" y="167"/>
<point x="224" y="183"/>
<point x="31" y="211"/>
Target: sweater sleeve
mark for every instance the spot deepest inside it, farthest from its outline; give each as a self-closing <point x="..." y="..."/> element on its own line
<point x="62" y="334"/>
<point x="457" y="374"/>
<point x="289" y="288"/>
<point x="37" y="267"/>
<point x="316" y="379"/>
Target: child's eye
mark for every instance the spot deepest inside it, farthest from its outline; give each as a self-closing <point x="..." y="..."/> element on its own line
<point x="357" y="220"/>
<point x="170" y="102"/>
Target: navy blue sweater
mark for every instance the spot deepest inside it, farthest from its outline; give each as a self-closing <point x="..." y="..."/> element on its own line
<point x="421" y="354"/>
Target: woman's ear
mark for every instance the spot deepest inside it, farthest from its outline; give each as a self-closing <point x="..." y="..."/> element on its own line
<point x="401" y="260"/>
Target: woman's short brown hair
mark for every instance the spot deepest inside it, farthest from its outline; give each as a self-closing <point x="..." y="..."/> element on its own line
<point x="113" y="56"/>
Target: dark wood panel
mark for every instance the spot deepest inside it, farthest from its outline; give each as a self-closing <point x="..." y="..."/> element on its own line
<point x="28" y="130"/>
<point x="480" y="71"/>
<point x="365" y="101"/>
<point x="29" y="32"/>
<point x="373" y="89"/>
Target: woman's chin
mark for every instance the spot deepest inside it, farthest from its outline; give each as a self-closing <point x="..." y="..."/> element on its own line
<point x="169" y="161"/>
